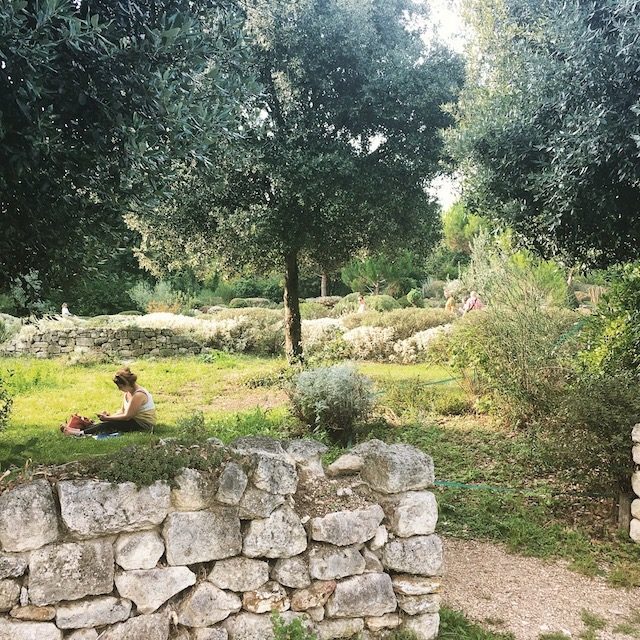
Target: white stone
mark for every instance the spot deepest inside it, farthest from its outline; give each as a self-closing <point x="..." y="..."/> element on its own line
<point x="292" y="572"/>
<point x="343" y="528"/>
<point x="239" y="574"/>
<point x="9" y="594"/>
<point x="150" y="588"/>
<point x="201" y="536"/>
<point x="417" y="605"/>
<point x="380" y="539"/>
<point x="372" y="563"/>
<point x="331" y="563"/>
<point x="83" y="634"/>
<point x="635" y="508"/>
<point x="387" y="621"/>
<point x="316" y="613"/>
<point x="362" y="596"/>
<point x="87" y="568"/>
<point x="28" y="517"/>
<point x="206" y="605"/>
<point x="274" y="474"/>
<point x="256" y="503"/>
<point x="232" y="483"/>
<point x="304" y="449"/>
<point x="270" y="597"/>
<point x="414" y="585"/>
<point x="11" y="630"/>
<point x="635" y="451"/>
<point x="635" y="482"/>
<point x="634" y="530"/>
<point x="425" y="627"/>
<point x="92" y="508"/>
<point x="213" y="633"/>
<point x="194" y="491"/>
<point x="155" y="627"/>
<point x="329" y="629"/>
<point x="314" y="596"/>
<point x="281" y="535"/>
<point x="414" y="513"/>
<point x="92" y="613"/>
<point x="347" y="464"/>
<point x="249" y="626"/>
<point x="140" y="550"/>
<point x="421" y="555"/>
<point x="635" y="433"/>
<point x="396" y="468"/>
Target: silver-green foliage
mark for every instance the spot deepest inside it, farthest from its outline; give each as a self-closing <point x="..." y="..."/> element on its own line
<point x="332" y="399"/>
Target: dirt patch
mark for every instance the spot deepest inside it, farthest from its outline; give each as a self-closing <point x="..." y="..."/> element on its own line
<point x="528" y="596"/>
<point x="248" y="399"/>
<point x="320" y="496"/>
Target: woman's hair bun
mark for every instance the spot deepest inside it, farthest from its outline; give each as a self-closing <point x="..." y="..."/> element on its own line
<point x="126" y="375"/>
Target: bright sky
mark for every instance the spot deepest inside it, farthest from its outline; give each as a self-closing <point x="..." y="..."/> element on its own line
<point x="445" y="14"/>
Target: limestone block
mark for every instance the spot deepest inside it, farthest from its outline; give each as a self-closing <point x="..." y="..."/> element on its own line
<point x="344" y="528"/>
<point x="417" y="605"/>
<point x="421" y="555"/>
<point x="259" y="445"/>
<point x="292" y="572"/>
<point x="194" y="491"/>
<point x="330" y="563"/>
<point x="249" y="626"/>
<point x="316" y="614"/>
<point x="213" y="633"/>
<point x="396" y="468"/>
<point x="306" y="454"/>
<point x="155" y="627"/>
<point x="232" y="483"/>
<point x="367" y="595"/>
<point x="425" y="627"/>
<point x="13" y="566"/>
<point x="281" y="535"/>
<point x="409" y="585"/>
<point x="372" y="563"/>
<point x="28" y="517"/>
<point x="635" y="433"/>
<point x="13" y="630"/>
<point x="269" y="597"/>
<point x="9" y="594"/>
<point x="256" y="503"/>
<point x="239" y="574"/>
<point x="139" y="550"/>
<point x="83" y="634"/>
<point x="414" y="513"/>
<point x="91" y="508"/>
<point x="151" y="588"/>
<point x="200" y="536"/>
<point x="329" y="629"/>
<point x="274" y="474"/>
<point x="316" y="595"/>
<point x="70" y="571"/>
<point x="636" y="453"/>
<point x="634" y="530"/>
<point x="206" y="605"/>
<point x="635" y="482"/>
<point x="387" y="621"/>
<point x="92" y="613"/>
<point x="347" y="464"/>
<point x="33" y="613"/>
<point x="635" y="512"/>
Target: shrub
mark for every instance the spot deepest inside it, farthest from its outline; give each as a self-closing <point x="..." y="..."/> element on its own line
<point x="225" y="291"/>
<point x="294" y="630"/>
<point x="349" y="303"/>
<point x="239" y="303"/>
<point x="159" y="298"/>
<point x="370" y="343"/>
<point x="332" y="399"/>
<point x="434" y="288"/>
<point x="317" y="334"/>
<point x="327" y="301"/>
<point x="405" y="322"/>
<point x="415" y="298"/>
<point x="314" y="310"/>
<point x="418" y="347"/>
<point x="6" y="401"/>
<point x="130" y="313"/>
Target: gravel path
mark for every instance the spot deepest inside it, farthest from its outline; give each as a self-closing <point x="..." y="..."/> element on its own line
<point x="528" y="596"/>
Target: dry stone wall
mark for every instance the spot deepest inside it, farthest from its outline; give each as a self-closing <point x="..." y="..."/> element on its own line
<point x="120" y="342"/>
<point x="348" y="550"/>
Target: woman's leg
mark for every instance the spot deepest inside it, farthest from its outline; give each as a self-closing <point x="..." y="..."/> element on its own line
<point x="115" y="426"/>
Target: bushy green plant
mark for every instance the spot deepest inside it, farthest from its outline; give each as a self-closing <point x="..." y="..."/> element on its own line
<point x="332" y="399"/>
<point x="6" y="401"/>
<point x="239" y="303"/>
<point x="294" y="630"/>
<point x="349" y="303"/>
<point x="192" y="427"/>
<point x="160" y="297"/>
<point x="415" y="298"/>
<point x="314" y="310"/>
<point x="225" y="291"/>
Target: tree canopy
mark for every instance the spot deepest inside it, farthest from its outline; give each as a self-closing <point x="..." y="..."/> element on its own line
<point x="98" y="102"/>
<point x="338" y="157"/>
<point x="548" y="131"/>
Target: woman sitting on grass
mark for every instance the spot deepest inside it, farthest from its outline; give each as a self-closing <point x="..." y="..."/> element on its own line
<point x="138" y="412"/>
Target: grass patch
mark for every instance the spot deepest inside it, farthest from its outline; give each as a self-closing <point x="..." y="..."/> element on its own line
<point x="454" y="626"/>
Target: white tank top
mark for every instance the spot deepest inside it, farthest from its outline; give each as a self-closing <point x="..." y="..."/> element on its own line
<point x="149" y="404"/>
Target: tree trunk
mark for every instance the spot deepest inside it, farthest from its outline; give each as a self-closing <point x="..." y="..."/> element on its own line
<point x="624" y="510"/>
<point x="292" y="321"/>
<point x="324" y="279"/>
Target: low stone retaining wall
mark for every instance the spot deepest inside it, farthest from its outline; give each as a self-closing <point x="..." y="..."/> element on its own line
<point x="634" y="529"/>
<point x="348" y="550"/>
<point x="120" y="342"/>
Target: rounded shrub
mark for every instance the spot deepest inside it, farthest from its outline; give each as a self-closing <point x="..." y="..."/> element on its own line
<point x="332" y="399"/>
<point x="241" y="303"/>
<point x="414" y="298"/>
<point x="349" y="303"/>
